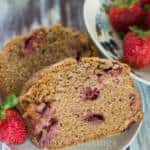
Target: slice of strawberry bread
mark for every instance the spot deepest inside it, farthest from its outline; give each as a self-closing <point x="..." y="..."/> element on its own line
<point x="73" y="102"/>
<point x="24" y="55"/>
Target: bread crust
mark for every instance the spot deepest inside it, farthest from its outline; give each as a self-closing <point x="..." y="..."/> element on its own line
<point x="40" y="78"/>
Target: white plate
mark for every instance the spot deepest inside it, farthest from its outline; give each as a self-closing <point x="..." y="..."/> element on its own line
<point x="117" y="142"/>
<point x="105" y="38"/>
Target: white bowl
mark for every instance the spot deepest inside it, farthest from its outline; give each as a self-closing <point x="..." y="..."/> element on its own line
<point x="104" y="36"/>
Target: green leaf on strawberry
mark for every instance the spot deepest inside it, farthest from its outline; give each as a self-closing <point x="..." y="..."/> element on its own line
<point x="140" y="32"/>
<point x="2" y="115"/>
<point x="125" y="3"/>
<point x="10" y="102"/>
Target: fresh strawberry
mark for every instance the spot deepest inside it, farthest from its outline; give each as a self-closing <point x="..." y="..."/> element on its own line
<point x="137" y="48"/>
<point x="124" y="14"/>
<point x="12" y="127"/>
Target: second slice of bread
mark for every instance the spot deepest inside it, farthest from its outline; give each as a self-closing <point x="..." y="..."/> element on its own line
<point x="73" y="102"/>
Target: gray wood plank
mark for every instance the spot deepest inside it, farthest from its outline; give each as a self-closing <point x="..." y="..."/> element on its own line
<point x="72" y="11"/>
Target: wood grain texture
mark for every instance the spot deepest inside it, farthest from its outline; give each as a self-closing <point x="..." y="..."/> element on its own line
<point x="19" y="16"/>
<point x="72" y="11"/>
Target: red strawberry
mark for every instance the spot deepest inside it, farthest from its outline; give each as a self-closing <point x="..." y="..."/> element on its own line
<point x="122" y="16"/>
<point x="12" y="127"/>
<point x="34" y="41"/>
<point x="137" y="48"/>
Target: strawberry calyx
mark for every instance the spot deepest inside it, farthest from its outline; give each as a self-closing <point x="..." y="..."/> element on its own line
<point x="140" y="32"/>
<point x="10" y="102"/>
<point x="125" y="3"/>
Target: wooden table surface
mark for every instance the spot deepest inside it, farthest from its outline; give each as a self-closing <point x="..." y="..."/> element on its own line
<point x="20" y="16"/>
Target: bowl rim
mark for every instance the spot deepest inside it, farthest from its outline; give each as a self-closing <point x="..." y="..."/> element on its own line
<point x="102" y="50"/>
